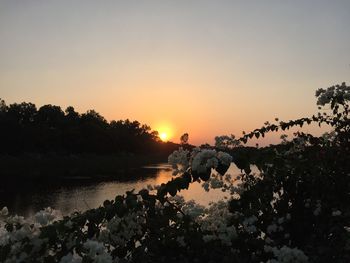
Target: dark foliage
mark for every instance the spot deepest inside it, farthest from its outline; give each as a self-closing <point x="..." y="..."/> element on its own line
<point x="24" y="128"/>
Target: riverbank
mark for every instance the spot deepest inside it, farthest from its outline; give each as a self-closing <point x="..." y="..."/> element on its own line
<point x="73" y="167"/>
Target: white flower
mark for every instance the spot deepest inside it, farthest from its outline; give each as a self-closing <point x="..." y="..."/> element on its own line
<point x="271" y="228"/>
<point x="4" y="211"/>
<point x="224" y="158"/>
<point x="324" y="96"/>
<point x="307" y="203"/>
<point x="96" y="251"/>
<point x="208" y="238"/>
<point x="46" y="216"/>
<point x="179" y="160"/>
<point x="181" y="241"/>
<point x="193" y="209"/>
<point x="215" y="224"/>
<point x="121" y="230"/>
<point x="204" y="160"/>
<point x="69" y="258"/>
<point x="69" y="224"/>
<point x="216" y="183"/>
<point x="286" y="255"/>
<point x="248" y="224"/>
<point x="280" y="220"/>
<point x="336" y="213"/>
<point x="94" y="247"/>
<point x="318" y="209"/>
<point x="103" y="258"/>
<point x="212" y="163"/>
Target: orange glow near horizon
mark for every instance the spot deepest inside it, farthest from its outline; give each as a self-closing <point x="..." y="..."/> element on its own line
<point x="163" y="136"/>
<point x="205" y="69"/>
<point x="165" y="131"/>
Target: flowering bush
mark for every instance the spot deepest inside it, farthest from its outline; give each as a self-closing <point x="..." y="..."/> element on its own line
<point x="294" y="209"/>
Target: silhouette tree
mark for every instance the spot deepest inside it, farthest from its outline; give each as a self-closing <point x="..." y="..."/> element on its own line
<point x="50" y="129"/>
<point x="23" y="113"/>
<point x="50" y="116"/>
<point x="71" y="114"/>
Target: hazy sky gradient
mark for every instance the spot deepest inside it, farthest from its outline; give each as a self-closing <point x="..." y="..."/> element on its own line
<point x="203" y="67"/>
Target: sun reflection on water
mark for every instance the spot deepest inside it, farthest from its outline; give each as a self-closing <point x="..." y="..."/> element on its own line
<point x="82" y="197"/>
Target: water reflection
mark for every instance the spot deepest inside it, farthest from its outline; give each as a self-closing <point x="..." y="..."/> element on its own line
<point x="70" y="196"/>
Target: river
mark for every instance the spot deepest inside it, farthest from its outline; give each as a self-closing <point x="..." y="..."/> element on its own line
<point x="79" y="195"/>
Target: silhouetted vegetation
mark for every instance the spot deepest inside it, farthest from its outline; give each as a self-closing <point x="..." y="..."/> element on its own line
<point x="293" y="209"/>
<point x="49" y="129"/>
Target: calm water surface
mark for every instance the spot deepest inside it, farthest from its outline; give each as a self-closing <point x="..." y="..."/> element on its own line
<point x="27" y="198"/>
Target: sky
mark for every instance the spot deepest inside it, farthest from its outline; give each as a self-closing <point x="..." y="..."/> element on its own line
<point x="203" y="67"/>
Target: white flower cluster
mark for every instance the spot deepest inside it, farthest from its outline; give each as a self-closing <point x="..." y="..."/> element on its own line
<point x="329" y="136"/>
<point x="213" y="183"/>
<point x="233" y="186"/>
<point x="336" y="213"/>
<point x="200" y="160"/>
<point x="96" y="251"/>
<point x="46" y="216"/>
<point x="4" y="212"/>
<point x="191" y="208"/>
<point x="213" y="220"/>
<point x="272" y="228"/>
<point x="206" y="159"/>
<point x="120" y="230"/>
<point x="277" y="224"/>
<point x="318" y="208"/>
<point x="286" y="255"/>
<point x="179" y="161"/>
<point x="324" y="96"/>
<point x="25" y="230"/>
<point x="249" y="224"/>
<point x="70" y="258"/>
<point x="224" y="158"/>
<point x="203" y="160"/>
<point x="215" y="224"/>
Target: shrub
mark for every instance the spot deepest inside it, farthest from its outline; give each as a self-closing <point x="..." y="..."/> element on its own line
<point x="295" y="209"/>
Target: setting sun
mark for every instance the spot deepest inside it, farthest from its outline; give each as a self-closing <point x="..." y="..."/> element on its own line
<point x="163" y="136"/>
<point x="166" y="130"/>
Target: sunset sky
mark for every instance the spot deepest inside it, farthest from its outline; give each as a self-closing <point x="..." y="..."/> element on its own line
<point x="203" y="67"/>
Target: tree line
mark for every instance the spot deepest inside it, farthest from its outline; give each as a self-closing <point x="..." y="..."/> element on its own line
<point x="26" y="128"/>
